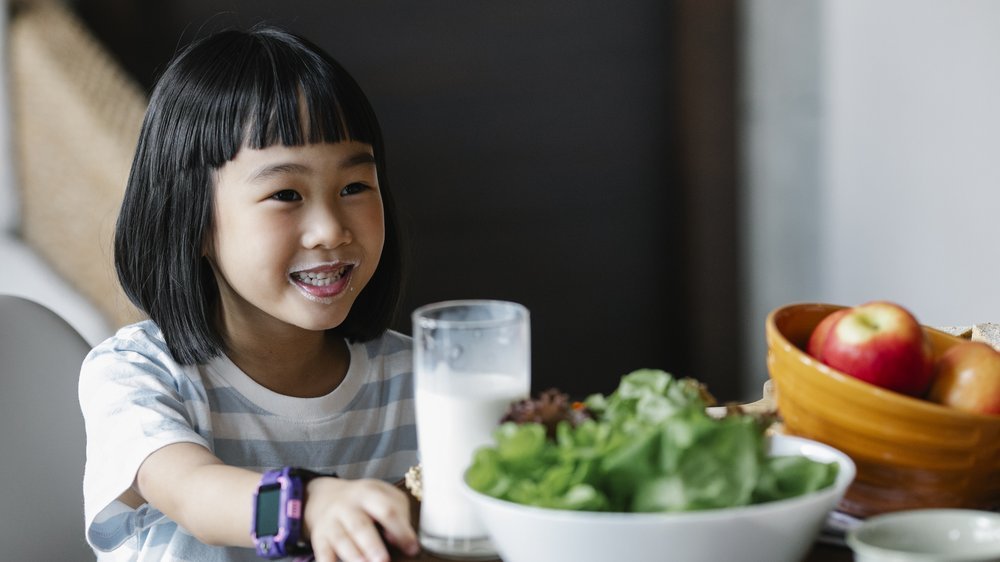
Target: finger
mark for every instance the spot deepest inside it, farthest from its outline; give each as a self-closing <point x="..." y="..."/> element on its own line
<point x="366" y="538"/>
<point x="393" y="514"/>
<point x="409" y="545"/>
<point x="336" y="541"/>
<point x="323" y="551"/>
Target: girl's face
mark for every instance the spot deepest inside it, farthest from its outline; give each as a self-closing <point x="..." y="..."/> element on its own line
<point x="298" y="231"/>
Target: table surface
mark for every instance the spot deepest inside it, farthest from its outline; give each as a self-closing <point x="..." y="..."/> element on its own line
<point x="821" y="552"/>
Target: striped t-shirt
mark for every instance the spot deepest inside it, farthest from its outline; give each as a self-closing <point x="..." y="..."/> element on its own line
<point x="137" y="399"/>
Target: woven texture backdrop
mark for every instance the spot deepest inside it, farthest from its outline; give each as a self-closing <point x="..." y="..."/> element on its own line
<point x="76" y="118"/>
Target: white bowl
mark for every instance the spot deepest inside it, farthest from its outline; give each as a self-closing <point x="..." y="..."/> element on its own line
<point x="928" y="535"/>
<point x="776" y="531"/>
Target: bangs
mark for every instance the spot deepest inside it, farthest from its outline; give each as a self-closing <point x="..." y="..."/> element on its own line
<point x="269" y="88"/>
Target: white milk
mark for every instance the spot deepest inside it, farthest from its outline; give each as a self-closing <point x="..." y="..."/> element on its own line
<point x="451" y="425"/>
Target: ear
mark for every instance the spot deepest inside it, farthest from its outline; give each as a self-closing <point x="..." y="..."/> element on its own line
<point x="208" y="246"/>
<point x="208" y="242"/>
<point x="208" y="236"/>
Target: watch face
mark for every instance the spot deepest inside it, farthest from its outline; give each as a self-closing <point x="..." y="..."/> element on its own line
<point x="268" y="508"/>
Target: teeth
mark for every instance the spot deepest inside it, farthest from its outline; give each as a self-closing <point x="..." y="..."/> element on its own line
<point x="320" y="279"/>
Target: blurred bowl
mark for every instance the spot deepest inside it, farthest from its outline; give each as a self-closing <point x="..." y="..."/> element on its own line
<point x="928" y="535"/>
<point x="776" y="531"/>
<point x="910" y="453"/>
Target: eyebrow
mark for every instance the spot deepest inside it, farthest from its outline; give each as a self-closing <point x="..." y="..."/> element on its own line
<point x="271" y="170"/>
<point x="359" y="159"/>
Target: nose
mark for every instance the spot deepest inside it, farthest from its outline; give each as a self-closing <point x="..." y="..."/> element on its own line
<point x="325" y="228"/>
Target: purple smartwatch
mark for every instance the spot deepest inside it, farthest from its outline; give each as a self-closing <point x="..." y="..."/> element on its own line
<point x="279" y="505"/>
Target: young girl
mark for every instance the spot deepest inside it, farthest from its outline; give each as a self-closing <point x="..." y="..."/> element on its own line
<point x="258" y="233"/>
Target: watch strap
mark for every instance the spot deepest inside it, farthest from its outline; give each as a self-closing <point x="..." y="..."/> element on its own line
<point x="283" y="517"/>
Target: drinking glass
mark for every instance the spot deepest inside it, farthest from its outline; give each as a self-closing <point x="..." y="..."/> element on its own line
<point x="471" y="359"/>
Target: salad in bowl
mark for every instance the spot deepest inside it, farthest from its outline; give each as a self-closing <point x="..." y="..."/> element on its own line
<point x="646" y="470"/>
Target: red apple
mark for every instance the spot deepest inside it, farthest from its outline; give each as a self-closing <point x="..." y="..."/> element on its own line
<point x="967" y="377"/>
<point x="818" y="337"/>
<point x="881" y="343"/>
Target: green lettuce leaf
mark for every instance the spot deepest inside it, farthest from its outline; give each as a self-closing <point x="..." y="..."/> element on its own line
<point x="651" y="448"/>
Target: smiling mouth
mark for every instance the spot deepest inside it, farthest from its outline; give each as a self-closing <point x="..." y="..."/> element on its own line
<point x="322" y="278"/>
<point x="322" y="284"/>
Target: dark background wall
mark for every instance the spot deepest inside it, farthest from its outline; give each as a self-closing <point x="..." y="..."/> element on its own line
<point x="576" y="156"/>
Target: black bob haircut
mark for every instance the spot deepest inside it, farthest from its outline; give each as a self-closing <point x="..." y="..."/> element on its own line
<point x="228" y="90"/>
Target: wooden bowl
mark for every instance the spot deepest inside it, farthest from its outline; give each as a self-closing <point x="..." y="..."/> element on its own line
<point x="910" y="453"/>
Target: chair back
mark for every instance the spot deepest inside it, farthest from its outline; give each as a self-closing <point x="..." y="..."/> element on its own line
<point x="42" y="438"/>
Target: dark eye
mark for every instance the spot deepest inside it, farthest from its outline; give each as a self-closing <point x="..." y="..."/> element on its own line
<point x="353" y="189"/>
<point x="286" y="195"/>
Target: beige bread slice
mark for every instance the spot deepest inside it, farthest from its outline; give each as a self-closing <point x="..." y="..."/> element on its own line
<point x="768" y="404"/>
<point x="957" y="331"/>
<point x="987" y="332"/>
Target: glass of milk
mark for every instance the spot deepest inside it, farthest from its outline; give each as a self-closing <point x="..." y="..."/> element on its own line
<point x="471" y="359"/>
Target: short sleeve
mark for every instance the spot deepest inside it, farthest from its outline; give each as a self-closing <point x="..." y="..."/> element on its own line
<point x="135" y="400"/>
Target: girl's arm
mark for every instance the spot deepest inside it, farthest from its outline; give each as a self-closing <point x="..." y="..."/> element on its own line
<point x="193" y="487"/>
<point x="214" y="502"/>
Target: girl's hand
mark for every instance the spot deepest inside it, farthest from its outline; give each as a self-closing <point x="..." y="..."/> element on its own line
<point x="341" y="515"/>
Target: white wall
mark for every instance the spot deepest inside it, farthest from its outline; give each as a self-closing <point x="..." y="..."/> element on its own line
<point x="911" y="147"/>
<point x="873" y="156"/>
